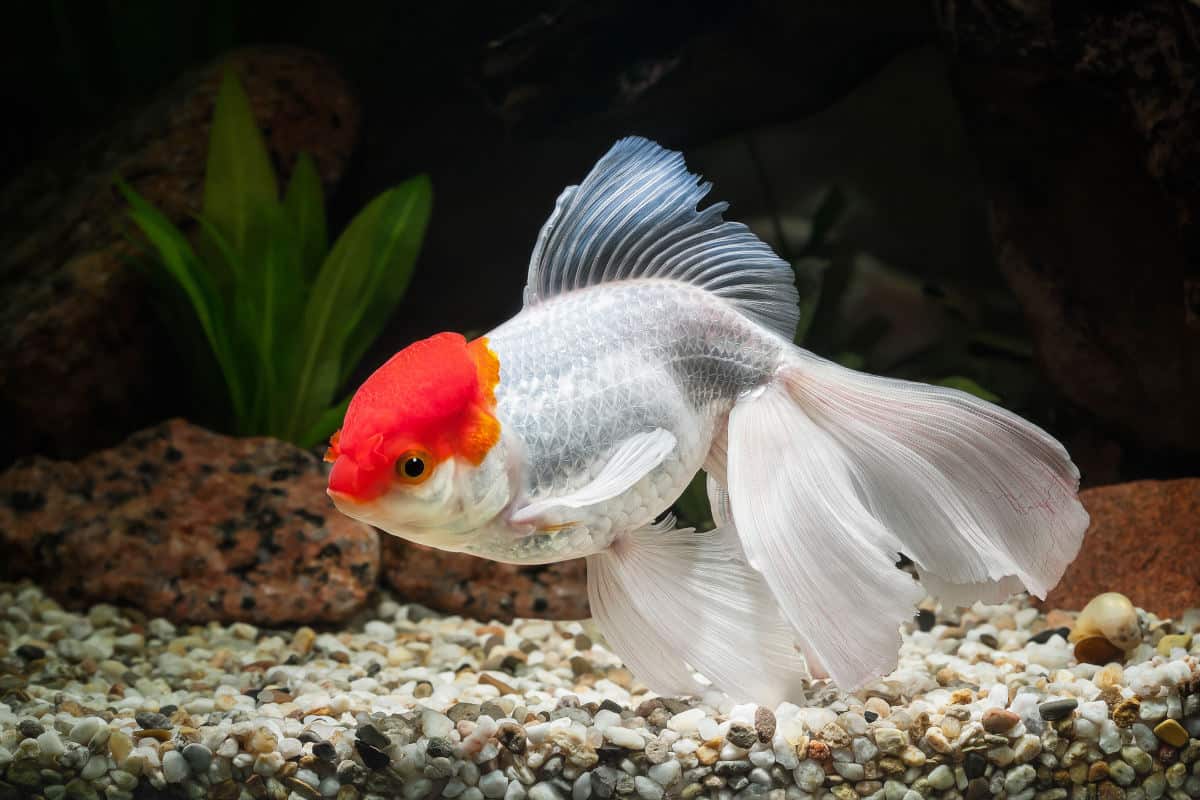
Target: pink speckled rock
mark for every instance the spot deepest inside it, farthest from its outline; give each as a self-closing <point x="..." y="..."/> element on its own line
<point x="190" y="525"/>
<point x="476" y="587"/>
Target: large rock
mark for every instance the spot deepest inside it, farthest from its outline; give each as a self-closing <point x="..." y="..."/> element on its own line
<point x="189" y="525"/>
<point x="483" y="589"/>
<point x="80" y="363"/>
<point x="1144" y="541"/>
<point x="1086" y="121"/>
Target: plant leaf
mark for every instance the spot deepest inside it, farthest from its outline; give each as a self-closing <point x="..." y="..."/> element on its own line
<point x="304" y="207"/>
<point x="402" y="224"/>
<point x="969" y="386"/>
<point x="238" y="177"/>
<point x="326" y="424"/>
<point x="177" y="258"/>
<point x="692" y="506"/>
<point x="360" y="281"/>
<point x="829" y="211"/>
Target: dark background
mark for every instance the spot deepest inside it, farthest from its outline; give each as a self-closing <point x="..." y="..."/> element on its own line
<point x="939" y="125"/>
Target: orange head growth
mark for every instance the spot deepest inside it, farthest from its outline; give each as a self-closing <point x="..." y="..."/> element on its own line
<point x="431" y="401"/>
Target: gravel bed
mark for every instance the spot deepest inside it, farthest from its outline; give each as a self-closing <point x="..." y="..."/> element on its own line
<point x="409" y="704"/>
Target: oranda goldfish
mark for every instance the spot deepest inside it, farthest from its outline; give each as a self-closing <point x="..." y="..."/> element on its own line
<point x="656" y="341"/>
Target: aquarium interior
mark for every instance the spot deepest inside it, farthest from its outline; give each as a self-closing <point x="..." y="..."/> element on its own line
<point x="219" y="219"/>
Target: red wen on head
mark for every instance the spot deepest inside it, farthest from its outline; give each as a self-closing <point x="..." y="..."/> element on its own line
<point x="429" y="402"/>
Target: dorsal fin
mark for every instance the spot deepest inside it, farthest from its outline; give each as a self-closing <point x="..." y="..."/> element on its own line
<point x="634" y="216"/>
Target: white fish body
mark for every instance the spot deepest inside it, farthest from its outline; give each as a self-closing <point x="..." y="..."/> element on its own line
<point x="654" y="362"/>
<point x="655" y="342"/>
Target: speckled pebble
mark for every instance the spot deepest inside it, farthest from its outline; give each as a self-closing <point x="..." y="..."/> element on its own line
<point x="338" y="715"/>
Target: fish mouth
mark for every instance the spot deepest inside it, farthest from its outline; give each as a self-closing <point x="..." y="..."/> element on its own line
<point x="367" y="512"/>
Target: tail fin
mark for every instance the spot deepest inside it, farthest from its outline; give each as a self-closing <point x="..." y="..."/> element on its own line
<point x="833" y="473"/>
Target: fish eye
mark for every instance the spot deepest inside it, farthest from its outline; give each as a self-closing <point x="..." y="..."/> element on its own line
<point x="413" y="466"/>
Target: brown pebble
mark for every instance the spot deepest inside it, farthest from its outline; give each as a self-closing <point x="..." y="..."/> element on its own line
<point x="225" y="790"/>
<point x="764" y="724"/>
<point x="647" y="706"/>
<point x="978" y="789"/>
<point x="945" y="676"/>
<point x="621" y="677"/>
<point x="1098" y="771"/>
<point x="160" y="734"/>
<point x="499" y="684"/>
<point x="961" y="697"/>
<point x="580" y="665"/>
<point x="301" y="788"/>
<point x="999" y="720"/>
<point x="1110" y="791"/>
<point x="512" y="736"/>
<point x="818" y="751"/>
<point x="1097" y="650"/>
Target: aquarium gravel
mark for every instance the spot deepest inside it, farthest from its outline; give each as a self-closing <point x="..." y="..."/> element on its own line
<point x="411" y="704"/>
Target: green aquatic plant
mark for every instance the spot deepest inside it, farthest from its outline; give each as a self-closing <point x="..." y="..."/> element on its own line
<point x="285" y="317"/>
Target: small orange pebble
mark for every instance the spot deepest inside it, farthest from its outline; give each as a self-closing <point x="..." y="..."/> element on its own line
<point x="493" y="630"/>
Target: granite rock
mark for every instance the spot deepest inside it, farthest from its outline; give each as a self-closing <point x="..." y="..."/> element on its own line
<point x="1133" y="546"/>
<point x="82" y="360"/>
<point x="189" y="525"/>
<point x="475" y="587"/>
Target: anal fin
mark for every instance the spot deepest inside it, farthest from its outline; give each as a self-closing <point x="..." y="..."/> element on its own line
<point x="670" y="601"/>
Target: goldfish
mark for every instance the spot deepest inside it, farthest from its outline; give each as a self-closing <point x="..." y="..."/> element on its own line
<point x="656" y="341"/>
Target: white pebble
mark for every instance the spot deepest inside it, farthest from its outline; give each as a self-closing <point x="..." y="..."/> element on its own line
<point x="50" y="744"/>
<point x="647" y="789"/>
<point x="174" y="766"/>
<point x="941" y="778"/>
<point x="290" y="748"/>
<point x="582" y="788"/>
<point x="686" y="721"/>
<point x="1110" y="737"/>
<point x="1095" y="712"/>
<point x="96" y="766"/>
<point x="606" y="719"/>
<point x="623" y="737"/>
<point x="665" y="773"/>
<point x="85" y="729"/>
<point x="435" y="725"/>
<point x="544" y="791"/>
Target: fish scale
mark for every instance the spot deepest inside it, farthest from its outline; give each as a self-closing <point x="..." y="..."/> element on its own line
<point x="582" y="373"/>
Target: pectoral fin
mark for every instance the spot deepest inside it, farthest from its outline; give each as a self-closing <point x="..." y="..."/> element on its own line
<point x="630" y="461"/>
